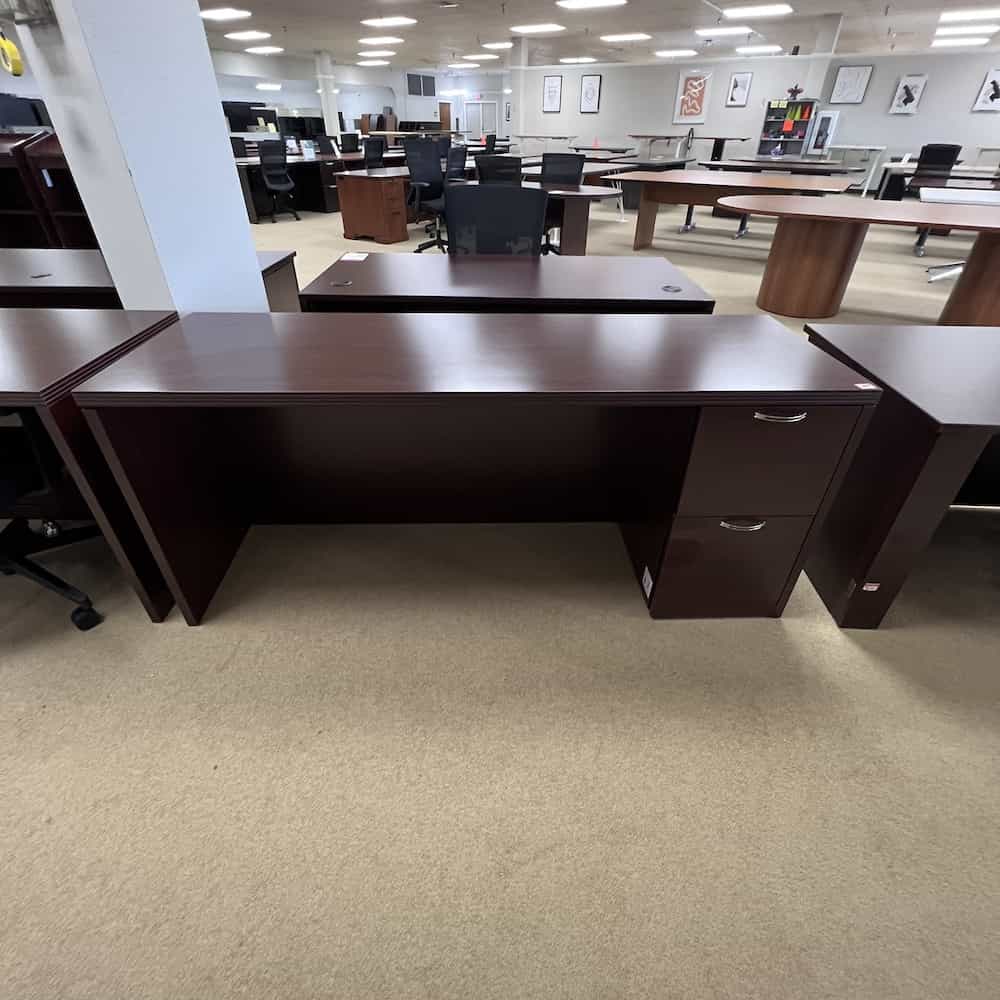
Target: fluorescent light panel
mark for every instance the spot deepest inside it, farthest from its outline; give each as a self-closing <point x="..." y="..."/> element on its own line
<point x="264" y="50"/>
<point x="635" y="36"/>
<point x="589" y="4"/>
<point x="377" y="54"/>
<point x="763" y="10"/>
<point x="270" y="86"/>
<point x="718" y="31"/>
<point x="578" y="59"/>
<point x="498" y="45"/>
<point x="974" y="29"/>
<point x="481" y="56"/>
<point x="954" y="43"/>
<point x="248" y="36"/>
<point x="373" y="62"/>
<point x="954" y="16"/>
<point x="389" y="22"/>
<point x="381" y="40"/>
<point x="757" y="50"/>
<point x="674" y="53"/>
<point x="463" y="65"/>
<point x="225" y="14"/>
<point x="537" y="29"/>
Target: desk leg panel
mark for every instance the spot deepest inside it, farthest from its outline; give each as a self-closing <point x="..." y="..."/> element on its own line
<point x="244" y="175"/>
<point x="77" y="447"/>
<point x="810" y="264"/>
<point x="575" y="224"/>
<point x="282" y="288"/>
<point x="975" y="299"/>
<point x="171" y="465"/>
<point x="645" y="223"/>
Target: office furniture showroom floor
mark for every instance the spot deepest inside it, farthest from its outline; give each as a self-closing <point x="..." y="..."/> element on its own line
<point x="491" y="775"/>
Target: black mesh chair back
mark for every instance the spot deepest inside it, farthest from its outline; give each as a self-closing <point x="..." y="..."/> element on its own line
<point x="349" y="142"/>
<point x="424" y="164"/>
<point x="444" y="146"/>
<point x="456" y="163"/>
<point x="374" y="151"/>
<point x="936" y="160"/>
<point x="324" y="144"/>
<point x="491" y="143"/>
<point x="563" y="168"/>
<point x="274" y="166"/>
<point x="239" y="145"/>
<point x="495" y="219"/>
<point x="499" y="169"/>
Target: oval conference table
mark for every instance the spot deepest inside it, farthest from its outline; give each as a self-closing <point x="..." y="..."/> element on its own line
<point x="817" y="241"/>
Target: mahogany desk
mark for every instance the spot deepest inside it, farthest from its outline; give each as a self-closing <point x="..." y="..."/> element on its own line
<point x="817" y="242"/>
<point x="397" y="282"/>
<point x="44" y="355"/>
<point x="79" y="279"/>
<point x="706" y="187"/>
<point x="716" y="442"/>
<point x="818" y="168"/>
<point x="939" y="413"/>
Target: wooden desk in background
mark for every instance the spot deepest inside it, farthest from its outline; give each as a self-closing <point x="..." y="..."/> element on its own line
<point x="44" y="355"/>
<point x="79" y="279"/>
<point x="396" y="282"/>
<point x="931" y="443"/>
<point x="769" y="164"/>
<point x="818" y="240"/>
<point x="706" y="187"/>
<point x="716" y="443"/>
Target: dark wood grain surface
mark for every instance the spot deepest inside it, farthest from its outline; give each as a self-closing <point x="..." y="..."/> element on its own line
<point x="820" y="167"/>
<point x="310" y="358"/>
<point x="384" y="282"/>
<point x="54" y="270"/>
<point x="757" y="181"/>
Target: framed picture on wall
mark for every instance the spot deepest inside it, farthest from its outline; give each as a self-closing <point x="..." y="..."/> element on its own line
<point x="909" y="90"/>
<point x="590" y="94"/>
<point x="738" y="95"/>
<point x="989" y="93"/>
<point x="851" y="84"/>
<point x="692" y="97"/>
<point x="506" y="111"/>
<point x="551" y="94"/>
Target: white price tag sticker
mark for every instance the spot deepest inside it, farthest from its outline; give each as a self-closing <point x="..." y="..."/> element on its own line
<point x="355" y="256"/>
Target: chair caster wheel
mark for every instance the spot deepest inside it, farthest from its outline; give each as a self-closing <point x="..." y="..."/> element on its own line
<point x="51" y="530"/>
<point x="919" y="252"/>
<point x="86" y="618"/>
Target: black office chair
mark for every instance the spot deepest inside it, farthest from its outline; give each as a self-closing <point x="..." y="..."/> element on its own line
<point x="239" y="145"/>
<point x="491" y="143"/>
<point x="324" y="144"/>
<point x="374" y="152"/>
<point x="934" y="165"/>
<point x="444" y="146"/>
<point x="277" y="180"/>
<point x="499" y="169"/>
<point x="426" y="186"/>
<point x="495" y="219"/>
<point x="349" y="142"/>
<point x="32" y="479"/>
<point x="559" y="168"/>
<point x="457" y="158"/>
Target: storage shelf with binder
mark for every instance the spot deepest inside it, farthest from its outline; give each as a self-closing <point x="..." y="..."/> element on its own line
<point x="54" y="182"/>
<point x="24" y="220"/>
<point x="787" y="127"/>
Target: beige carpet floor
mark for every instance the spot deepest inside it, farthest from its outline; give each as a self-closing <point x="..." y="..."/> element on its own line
<point x="461" y="762"/>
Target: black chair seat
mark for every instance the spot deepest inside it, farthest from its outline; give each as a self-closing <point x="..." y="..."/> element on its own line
<point x="433" y="204"/>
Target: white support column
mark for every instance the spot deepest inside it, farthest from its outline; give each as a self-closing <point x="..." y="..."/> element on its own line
<point x="519" y="84"/>
<point x="326" y="78"/>
<point x="132" y="94"/>
<point x="819" y="64"/>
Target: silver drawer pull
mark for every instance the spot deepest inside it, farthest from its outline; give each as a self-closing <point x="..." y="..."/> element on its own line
<point x="774" y="418"/>
<point x="746" y="526"/>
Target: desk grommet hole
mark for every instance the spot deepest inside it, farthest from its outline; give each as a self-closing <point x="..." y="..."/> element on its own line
<point x="341" y="284"/>
<point x="672" y="288"/>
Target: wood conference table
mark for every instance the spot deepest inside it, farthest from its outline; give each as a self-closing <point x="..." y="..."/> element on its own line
<point x="44" y="355"/>
<point x="820" y="168"/>
<point x="80" y="279"/>
<point x="817" y="242"/>
<point x="706" y="187"/>
<point x="717" y="443"/>
<point x="718" y="141"/>
<point x="397" y="282"/>
<point x="932" y="443"/>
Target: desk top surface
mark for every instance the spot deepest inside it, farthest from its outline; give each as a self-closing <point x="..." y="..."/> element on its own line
<point x="44" y="353"/>
<point x="589" y="169"/>
<point x="792" y="166"/>
<point x="770" y="182"/>
<point x="652" y="162"/>
<point x="976" y="218"/>
<point x="515" y="280"/>
<point x="294" y="359"/>
<point x="949" y="372"/>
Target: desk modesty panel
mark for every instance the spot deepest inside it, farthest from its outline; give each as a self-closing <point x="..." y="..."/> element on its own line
<point x="715" y="442"/>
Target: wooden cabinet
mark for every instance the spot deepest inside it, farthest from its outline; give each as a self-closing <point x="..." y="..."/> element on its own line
<point x="54" y="182"/>
<point x="374" y="207"/>
<point x="24" y="221"/>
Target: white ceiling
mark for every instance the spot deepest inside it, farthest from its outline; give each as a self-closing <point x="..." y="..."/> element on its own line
<point x="444" y="35"/>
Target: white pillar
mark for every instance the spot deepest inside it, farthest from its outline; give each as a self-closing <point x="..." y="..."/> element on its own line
<point x="827" y="38"/>
<point x="326" y="78"/>
<point x="132" y="94"/>
<point x="519" y="84"/>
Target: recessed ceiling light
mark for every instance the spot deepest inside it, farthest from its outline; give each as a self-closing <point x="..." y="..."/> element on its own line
<point x="979" y="29"/>
<point x="225" y="14"/>
<point x="578" y="59"/>
<point x="373" y="62"/>
<point x="381" y="40"/>
<point x="671" y="53"/>
<point x="248" y="36"/>
<point x="463" y="65"/>
<point x="971" y="15"/>
<point x="481" y="56"/>
<point x="264" y="50"/>
<point x="944" y="43"/>
<point x="634" y="36"/>
<point x="588" y="4"/>
<point x="269" y="86"/>
<point x="498" y="45"/>
<point x="765" y="10"/>
<point x="507" y="90"/>
<point x="389" y="22"/>
<point x="716" y="32"/>
<point x="757" y="50"/>
<point x="377" y="54"/>
<point x="537" y="29"/>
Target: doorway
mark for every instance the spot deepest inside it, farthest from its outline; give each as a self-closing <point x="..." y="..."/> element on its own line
<point x="444" y="115"/>
<point x="481" y="117"/>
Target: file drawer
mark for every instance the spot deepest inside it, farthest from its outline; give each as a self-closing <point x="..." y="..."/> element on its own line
<point x="775" y="459"/>
<point x="729" y="567"/>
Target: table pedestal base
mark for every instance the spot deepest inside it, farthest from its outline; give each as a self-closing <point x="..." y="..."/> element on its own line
<point x="975" y="299"/>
